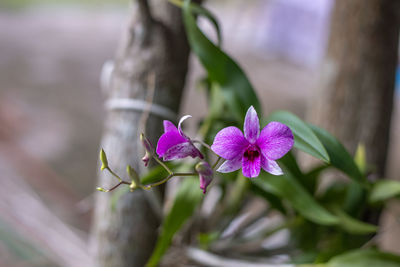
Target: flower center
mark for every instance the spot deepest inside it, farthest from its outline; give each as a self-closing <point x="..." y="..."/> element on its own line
<point x="251" y="154"/>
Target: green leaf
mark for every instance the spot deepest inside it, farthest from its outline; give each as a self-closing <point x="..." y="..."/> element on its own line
<point x="289" y="189"/>
<point x="199" y="10"/>
<point x="353" y="226"/>
<point x="339" y="157"/>
<point x="304" y="138"/>
<point x="289" y="163"/>
<point x="156" y="174"/>
<point x="365" y="258"/>
<point x="186" y="200"/>
<point x="236" y="88"/>
<point x="355" y="198"/>
<point x="383" y="190"/>
<point x="360" y="158"/>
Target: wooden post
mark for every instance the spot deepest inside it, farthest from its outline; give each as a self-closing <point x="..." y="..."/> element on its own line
<point x="155" y="44"/>
<point x="355" y="96"/>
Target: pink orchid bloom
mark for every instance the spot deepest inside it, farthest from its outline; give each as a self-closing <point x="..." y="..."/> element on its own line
<point x="253" y="150"/>
<point x="174" y="144"/>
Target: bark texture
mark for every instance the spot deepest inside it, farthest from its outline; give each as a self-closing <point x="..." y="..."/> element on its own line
<point x="355" y="96"/>
<point x="124" y="234"/>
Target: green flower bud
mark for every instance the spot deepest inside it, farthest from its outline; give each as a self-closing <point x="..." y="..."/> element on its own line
<point x="104" y="161"/>
<point x="133" y="175"/>
<point x="101" y="189"/>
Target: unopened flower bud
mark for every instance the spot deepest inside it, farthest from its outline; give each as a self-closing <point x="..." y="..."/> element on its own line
<point x="134" y="177"/>
<point x="146" y="144"/>
<point x="205" y="174"/>
<point x="104" y="161"/>
<point x="149" y="149"/>
<point x="146" y="159"/>
<point x="101" y="189"/>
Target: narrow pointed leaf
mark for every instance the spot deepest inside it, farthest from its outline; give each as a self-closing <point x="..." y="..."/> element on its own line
<point x="354" y="226"/>
<point x="238" y="93"/>
<point x="383" y="190"/>
<point x="289" y="189"/>
<point x="199" y="10"/>
<point x="339" y="156"/>
<point x="304" y="138"/>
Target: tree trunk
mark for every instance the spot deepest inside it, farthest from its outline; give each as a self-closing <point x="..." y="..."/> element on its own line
<point x="124" y="234"/>
<point x="356" y="90"/>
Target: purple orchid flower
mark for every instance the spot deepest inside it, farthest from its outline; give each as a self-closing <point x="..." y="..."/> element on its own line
<point x="253" y="150"/>
<point x="174" y="144"/>
<point x="205" y="174"/>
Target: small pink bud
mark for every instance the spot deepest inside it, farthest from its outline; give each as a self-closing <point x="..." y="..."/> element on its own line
<point x="205" y="174"/>
<point x="146" y="159"/>
<point x="146" y="143"/>
<point x="149" y="149"/>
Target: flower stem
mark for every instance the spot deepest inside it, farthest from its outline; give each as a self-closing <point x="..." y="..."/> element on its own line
<point x="166" y="179"/>
<point x="162" y="164"/>
<point x="205" y="145"/>
<point x="202" y="143"/>
<point x="216" y="163"/>
<point x="114" y="174"/>
<point x="112" y="188"/>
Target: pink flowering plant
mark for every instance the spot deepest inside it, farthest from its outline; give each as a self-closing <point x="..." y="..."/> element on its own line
<point x="253" y="150"/>
<point x="250" y="151"/>
<point x="231" y="171"/>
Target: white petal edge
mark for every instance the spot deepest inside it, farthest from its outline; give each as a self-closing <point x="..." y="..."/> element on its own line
<point x="230" y="165"/>
<point x="270" y="166"/>
<point x="180" y="125"/>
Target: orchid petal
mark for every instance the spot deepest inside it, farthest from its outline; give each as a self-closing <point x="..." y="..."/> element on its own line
<point x="169" y="127"/>
<point x="180" y="125"/>
<point x="168" y="140"/>
<point x="181" y="151"/>
<point x="270" y="166"/>
<point x="275" y="140"/>
<point x="231" y="165"/>
<point x="251" y="168"/>
<point x="251" y="125"/>
<point x="229" y="143"/>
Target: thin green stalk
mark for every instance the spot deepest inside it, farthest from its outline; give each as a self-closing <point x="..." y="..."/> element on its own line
<point x="216" y="163"/>
<point x="166" y="179"/>
<point x="115" y="175"/>
<point x="205" y="145"/>
<point x="162" y="164"/>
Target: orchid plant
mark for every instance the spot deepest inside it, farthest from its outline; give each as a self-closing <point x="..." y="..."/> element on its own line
<point x="251" y="152"/>
<point x="325" y="223"/>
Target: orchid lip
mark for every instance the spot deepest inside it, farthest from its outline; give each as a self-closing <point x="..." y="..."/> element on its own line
<point x="251" y="154"/>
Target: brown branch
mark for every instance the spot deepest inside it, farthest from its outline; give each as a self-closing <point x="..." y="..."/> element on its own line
<point x="145" y="13"/>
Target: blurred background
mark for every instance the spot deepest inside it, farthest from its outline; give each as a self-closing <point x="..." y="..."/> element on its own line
<point x="51" y="106"/>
